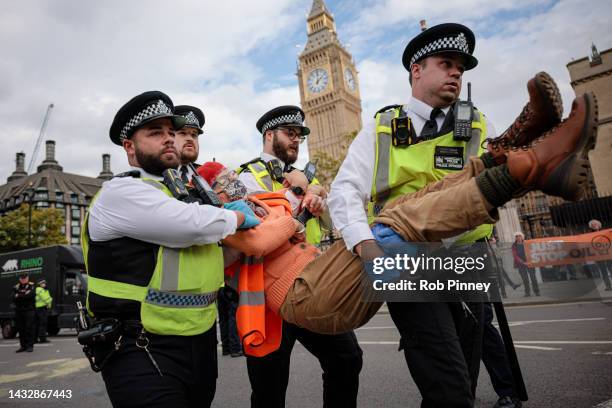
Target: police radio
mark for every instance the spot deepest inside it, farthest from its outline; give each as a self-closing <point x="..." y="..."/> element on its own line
<point x="464" y="111"/>
<point x="276" y="170"/>
<point x="401" y="133"/>
<point x="172" y="180"/>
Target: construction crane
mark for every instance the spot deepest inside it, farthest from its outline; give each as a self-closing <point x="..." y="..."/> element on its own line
<point x="40" y="138"/>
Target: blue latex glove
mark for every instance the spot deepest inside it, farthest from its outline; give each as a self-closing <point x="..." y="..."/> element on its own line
<point x="385" y="235"/>
<point x="250" y="220"/>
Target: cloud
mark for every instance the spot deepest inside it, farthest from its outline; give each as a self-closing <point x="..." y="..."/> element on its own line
<point x="88" y="58"/>
<point x="521" y="45"/>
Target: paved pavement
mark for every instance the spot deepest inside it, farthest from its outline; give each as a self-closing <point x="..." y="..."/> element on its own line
<point x="565" y="351"/>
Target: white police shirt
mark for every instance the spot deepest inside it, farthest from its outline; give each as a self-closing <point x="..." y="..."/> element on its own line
<point x="350" y="190"/>
<point x="127" y="207"/>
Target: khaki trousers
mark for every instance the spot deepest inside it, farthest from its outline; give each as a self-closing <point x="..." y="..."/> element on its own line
<point x="328" y="296"/>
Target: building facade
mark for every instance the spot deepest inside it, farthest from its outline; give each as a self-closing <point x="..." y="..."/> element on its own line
<point x="594" y="74"/>
<point x="51" y="187"/>
<point x="329" y="85"/>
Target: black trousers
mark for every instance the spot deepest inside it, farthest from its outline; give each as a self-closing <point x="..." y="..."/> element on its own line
<point x="41" y="323"/>
<point x="227" y="304"/>
<point x="339" y="355"/>
<point x="494" y="357"/>
<point x="25" y="321"/>
<point x="442" y="345"/>
<point x="188" y="365"/>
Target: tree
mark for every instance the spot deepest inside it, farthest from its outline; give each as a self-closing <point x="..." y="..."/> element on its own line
<point x="46" y="228"/>
<point x="328" y="165"/>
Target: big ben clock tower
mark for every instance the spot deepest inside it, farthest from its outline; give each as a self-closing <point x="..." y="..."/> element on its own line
<point x="329" y="87"/>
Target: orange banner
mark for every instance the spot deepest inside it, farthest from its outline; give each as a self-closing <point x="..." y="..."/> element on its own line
<point x="571" y="249"/>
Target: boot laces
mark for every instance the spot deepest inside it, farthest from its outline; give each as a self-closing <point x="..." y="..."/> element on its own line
<point x="507" y="139"/>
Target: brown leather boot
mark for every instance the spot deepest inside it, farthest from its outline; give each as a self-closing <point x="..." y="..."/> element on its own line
<point x="557" y="162"/>
<point x="542" y="112"/>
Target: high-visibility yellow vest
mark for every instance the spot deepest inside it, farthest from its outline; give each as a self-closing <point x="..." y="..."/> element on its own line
<point x="267" y="183"/>
<point x="403" y="170"/>
<point x="179" y="298"/>
<point x="43" y="298"/>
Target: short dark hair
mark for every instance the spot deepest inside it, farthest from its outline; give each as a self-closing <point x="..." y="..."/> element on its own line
<point x="422" y="63"/>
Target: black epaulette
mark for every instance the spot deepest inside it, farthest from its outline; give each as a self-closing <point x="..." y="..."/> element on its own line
<point x="131" y="173"/>
<point x="245" y="166"/>
<point x="386" y="108"/>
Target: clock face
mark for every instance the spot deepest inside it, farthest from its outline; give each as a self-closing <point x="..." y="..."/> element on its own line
<point x="317" y="80"/>
<point x="349" y="79"/>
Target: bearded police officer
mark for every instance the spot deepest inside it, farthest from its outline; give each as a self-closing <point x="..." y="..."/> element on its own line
<point x="154" y="269"/>
<point x="187" y="144"/>
<point x="441" y="346"/>
<point x="339" y="355"/>
<point x="186" y="140"/>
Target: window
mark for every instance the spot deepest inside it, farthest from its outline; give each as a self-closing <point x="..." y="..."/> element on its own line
<point x="41" y="194"/>
<point x="42" y="204"/>
<point x="75" y="240"/>
<point x="74" y="198"/>
<point x="59" y="205"/>
<point x="59" y="196"/>
<point x="63" y="230"/>
<point x="75" y="223"/>
<point x="76" y="213"/>
<point x="76" y="231"/>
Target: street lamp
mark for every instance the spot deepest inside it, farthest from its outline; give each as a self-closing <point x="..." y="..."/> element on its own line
<point x="29" y="195"/>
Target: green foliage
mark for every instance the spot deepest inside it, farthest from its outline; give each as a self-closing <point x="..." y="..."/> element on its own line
<point x="46" y="228"/>
<point x="328" y="165"/>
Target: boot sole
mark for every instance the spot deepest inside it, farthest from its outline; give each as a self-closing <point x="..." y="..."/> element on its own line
<point x="548" y="90"/>
<point x="570" y="177"/>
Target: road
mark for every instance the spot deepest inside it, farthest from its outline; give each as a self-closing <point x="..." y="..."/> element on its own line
<point x="565" y="351"/>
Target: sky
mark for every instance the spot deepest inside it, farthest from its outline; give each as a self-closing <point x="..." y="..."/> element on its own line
<point x="237" y="59"/>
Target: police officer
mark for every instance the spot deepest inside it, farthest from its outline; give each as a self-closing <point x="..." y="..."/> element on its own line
<point x="155" y="268"/>
<point x="339" y="355"/>
<point x="188" y="146"/>
<point x="187" y="142"/>
<point x="283" y="132"/>
<point x="441" y="345"/>
<point x="43" y="304"/>
<point x="24" y="298"/>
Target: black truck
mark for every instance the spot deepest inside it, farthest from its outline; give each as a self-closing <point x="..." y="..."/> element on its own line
<point x="61" y="266"/>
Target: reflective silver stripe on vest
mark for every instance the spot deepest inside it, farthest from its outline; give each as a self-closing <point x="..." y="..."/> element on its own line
<point x="170" y="269"/>
<point x="180" y="300"/>
<point x="382" y="169"/>
<point x="267" y="179"/>
<point x="251" y="298"/>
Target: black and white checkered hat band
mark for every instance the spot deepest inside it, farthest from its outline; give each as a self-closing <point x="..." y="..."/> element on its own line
<point x="192" y="120"/>
<point x="457" y="43"/>
<point x="294" y="119"/>
<point x="150" y="111"/>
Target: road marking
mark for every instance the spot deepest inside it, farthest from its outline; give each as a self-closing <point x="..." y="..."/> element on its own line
<point x="7" y="378"/>
<point x="605" y="353"/>
<point x="376" y="328"/>
<point x="69" y="367"/>
<point x="524" y="322"/>
<point x="536" y="347"/>
<point x="17" y="344"/>
<point x="48" y="362"/>
<point x="563" y="342"/>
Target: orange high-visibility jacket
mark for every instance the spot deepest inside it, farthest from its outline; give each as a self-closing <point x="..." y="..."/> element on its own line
<point x="269" y="267"/>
